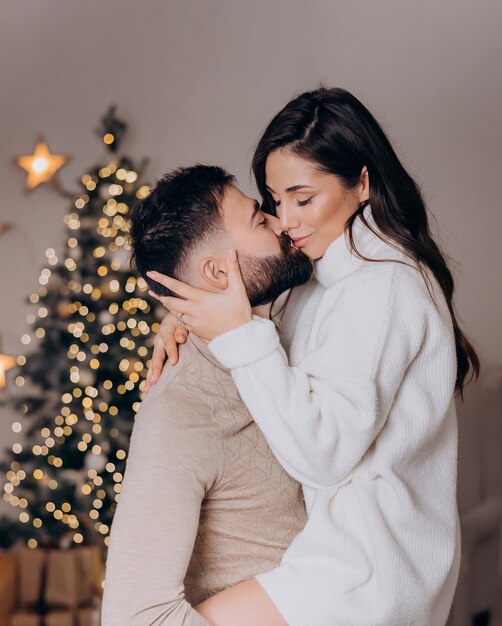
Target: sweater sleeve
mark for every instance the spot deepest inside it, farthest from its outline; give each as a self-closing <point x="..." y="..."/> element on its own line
<point x="321" y="416"/>
<point x="172" y="462"/>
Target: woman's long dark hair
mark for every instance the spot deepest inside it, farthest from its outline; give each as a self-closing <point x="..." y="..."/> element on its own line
<point x="333" y="130"/>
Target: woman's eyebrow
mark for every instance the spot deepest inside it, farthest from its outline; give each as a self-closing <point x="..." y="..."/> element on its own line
<point x="292" y="189"/>
<point x="297" y="187"/>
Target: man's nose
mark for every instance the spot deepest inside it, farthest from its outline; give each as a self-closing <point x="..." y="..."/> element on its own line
<point x="274" y="225"/>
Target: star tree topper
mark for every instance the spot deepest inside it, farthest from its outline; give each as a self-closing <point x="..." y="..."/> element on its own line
<point x="6" y="362"/>
<point x="41" y="165"/>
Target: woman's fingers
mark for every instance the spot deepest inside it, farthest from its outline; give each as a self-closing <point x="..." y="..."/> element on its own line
<point x="175" y="305"/>
<point x="167" y="338"/>
<point x="159" y="356"/>
<point x="181" y="334"/>
<point x="182" y="289"/>
<point x="165" y="346"/>
<point x="171" y="349"/>
<point x="235" y="280"/>
<point x="206" y="313"/>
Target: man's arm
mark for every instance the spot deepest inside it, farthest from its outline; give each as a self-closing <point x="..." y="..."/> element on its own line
<point x="173" y="459"/>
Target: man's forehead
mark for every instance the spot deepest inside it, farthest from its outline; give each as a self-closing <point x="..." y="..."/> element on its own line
<point x="235" y="203"/>
<point x="233" y="194"/>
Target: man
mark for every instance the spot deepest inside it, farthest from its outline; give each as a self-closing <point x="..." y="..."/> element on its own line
<point x="204" y="503"/>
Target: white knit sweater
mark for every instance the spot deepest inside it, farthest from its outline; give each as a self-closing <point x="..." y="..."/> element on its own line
<point x="357" y="404"/>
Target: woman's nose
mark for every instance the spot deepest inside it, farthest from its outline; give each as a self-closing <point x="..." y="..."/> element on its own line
<point x="287" y="219"/>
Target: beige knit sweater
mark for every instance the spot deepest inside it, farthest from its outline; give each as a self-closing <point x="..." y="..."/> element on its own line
<point x="204" y="502"/>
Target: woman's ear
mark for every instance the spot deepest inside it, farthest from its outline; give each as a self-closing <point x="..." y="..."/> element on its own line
<point x="214" y="271"/>
<point x="364" y="185"/>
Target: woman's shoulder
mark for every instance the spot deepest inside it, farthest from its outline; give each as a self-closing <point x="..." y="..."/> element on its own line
<point x="390" y="285"/>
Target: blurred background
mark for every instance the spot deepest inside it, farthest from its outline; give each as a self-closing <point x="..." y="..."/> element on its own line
<point x="197" y="81"/>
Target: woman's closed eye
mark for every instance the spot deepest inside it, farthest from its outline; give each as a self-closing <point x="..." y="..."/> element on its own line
<point x="304" y="202"/>
<point x="298" y="202"/>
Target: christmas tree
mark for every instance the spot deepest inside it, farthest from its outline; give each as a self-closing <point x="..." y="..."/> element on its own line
<point x="93" y="329"/>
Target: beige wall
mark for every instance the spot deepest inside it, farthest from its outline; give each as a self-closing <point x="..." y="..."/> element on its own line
<point x="199" y="79"/>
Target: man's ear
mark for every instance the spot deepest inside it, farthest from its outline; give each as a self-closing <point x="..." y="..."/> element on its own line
<point x="214" y="271"/>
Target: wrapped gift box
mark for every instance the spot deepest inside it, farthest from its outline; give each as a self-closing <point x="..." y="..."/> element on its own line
<point x="89" y="616"/>
<point x="73" y="577"/>
<point x="59" y="618"/>
<point x="8" y="568"/>
<point x="63" y="585"/>
<point x="24" y="618"/>
<point x="31" y="564"/>
<point x="63" y="582"/>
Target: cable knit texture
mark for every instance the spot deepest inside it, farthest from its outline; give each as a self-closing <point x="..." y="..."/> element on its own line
<point x="204" y="503"/>
<point x="357" y="404"/>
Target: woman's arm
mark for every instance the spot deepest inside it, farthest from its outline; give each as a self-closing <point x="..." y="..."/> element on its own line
<point x="172" y="459"/>
<point x="321" y="416"/>
<point x="172" y="333"/>
<point x="245" y="604"/>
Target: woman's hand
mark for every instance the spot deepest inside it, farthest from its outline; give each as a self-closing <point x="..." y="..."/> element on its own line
<point x="206" y="313"/>
<point x="165" y="346"/>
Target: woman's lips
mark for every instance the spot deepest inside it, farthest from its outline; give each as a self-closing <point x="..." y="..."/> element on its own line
<point x="300" y="241"/>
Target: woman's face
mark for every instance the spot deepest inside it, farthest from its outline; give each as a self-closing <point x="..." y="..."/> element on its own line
<point x="312" y="206"/>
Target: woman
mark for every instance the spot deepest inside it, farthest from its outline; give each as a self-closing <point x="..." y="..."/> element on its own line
<point x="357" y="402"/>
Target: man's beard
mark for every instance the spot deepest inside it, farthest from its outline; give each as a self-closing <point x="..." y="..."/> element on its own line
<point x="266" y="278"/>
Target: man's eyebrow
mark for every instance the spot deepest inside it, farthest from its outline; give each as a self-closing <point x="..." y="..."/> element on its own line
<point x="293" y="188"/>
<point x="255" y="210"/>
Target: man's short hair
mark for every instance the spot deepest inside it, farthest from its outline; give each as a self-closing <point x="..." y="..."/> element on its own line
<point x="182" y="211"/>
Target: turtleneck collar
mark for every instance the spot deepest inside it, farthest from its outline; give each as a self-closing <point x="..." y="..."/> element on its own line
<point x="338" y="260"/>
